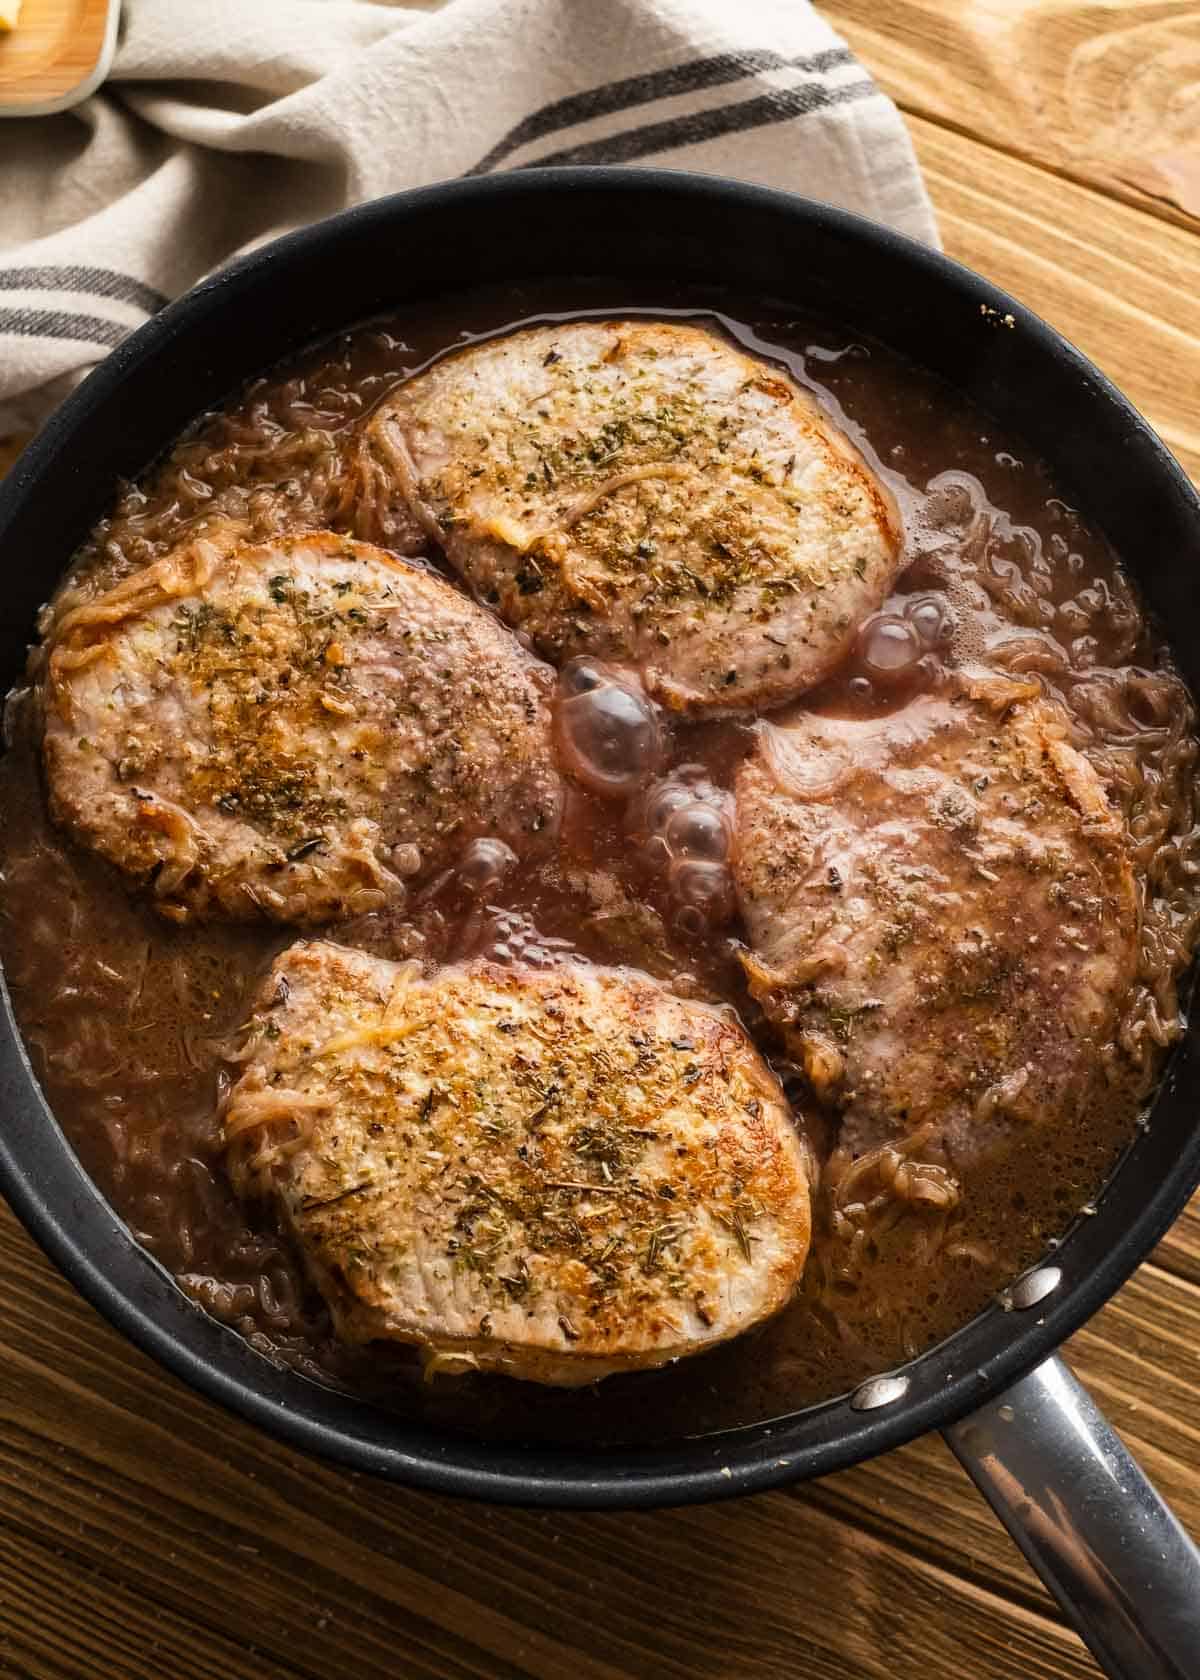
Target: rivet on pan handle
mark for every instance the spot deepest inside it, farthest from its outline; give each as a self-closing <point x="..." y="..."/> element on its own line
<point x="1030" y="1289"/>
<point x="879" y="1391"/>
<point x="1102" y="1539"/>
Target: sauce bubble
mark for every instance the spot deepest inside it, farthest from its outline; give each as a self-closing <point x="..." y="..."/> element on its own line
<point x="608" y="731"/>
<point x="682" y="826"/>
<point x="889" y="647"/>
<point x="484" y="864"/>
<point x="698" y="831"/>
<point x="932" y="619"/>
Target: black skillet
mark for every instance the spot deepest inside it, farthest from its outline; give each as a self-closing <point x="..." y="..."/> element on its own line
<point x="1075" y="1502"/>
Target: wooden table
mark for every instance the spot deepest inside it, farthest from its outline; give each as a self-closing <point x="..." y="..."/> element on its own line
<point x="145" y="1535"/>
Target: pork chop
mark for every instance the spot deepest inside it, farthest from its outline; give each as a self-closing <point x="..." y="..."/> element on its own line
<point x="942" y="917"/>
<point x="647" y="493"/>
<point x="557" y="1173"/>
<point x="292" y="729"/>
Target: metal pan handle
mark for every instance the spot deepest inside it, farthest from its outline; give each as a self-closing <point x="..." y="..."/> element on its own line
<point x="1102" y="1539"/>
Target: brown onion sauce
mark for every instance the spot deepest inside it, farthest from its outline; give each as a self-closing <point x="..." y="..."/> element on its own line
<point x="126" y="1016"/>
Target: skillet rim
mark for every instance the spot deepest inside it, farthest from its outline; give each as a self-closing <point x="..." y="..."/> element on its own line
<point x="66" y="1214"/>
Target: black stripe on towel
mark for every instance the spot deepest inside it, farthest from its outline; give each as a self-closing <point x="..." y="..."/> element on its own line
<point x="55" y="323"/>
<point x="779" y="105"/>
<point x="100" y="282"/>
<point x="644" y="90"/>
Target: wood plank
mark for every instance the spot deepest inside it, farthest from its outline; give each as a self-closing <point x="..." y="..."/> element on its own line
<point x="1119" y="284"/>
<point x="99" y="1635"/>
<point x="113" y="1459"/>
<point x="1099" y="90"/>
<point x="125" y="1485"/>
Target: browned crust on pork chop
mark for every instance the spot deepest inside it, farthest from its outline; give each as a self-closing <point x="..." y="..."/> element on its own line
<point x="646" y="492"/>
<point x="292" y="729"/>
<point x="556" y="1173"/>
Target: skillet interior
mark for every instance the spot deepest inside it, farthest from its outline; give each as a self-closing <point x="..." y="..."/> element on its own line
<point x="530" y="226"/>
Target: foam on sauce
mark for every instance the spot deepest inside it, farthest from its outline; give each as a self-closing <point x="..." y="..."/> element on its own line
<point x="127" y="1017"/>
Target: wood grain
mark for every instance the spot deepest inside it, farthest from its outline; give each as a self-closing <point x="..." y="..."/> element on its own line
<point x="141" y="1525"/>
<point x="1118" y="282"/>
<point x="54" y="48"/>
<point x="143" y="1515"/>
<point x="143" y="1533"/>
<point x="1106" y="92"/>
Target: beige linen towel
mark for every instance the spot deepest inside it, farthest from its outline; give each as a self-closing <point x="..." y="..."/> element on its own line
<point x="229" y="121"/>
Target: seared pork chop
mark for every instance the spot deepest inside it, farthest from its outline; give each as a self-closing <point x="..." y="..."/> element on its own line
<point x="556" y="1173"/>
<point x="645" y="492"/>
<point x="942" y="917"/>
<point x="292" y="729"/>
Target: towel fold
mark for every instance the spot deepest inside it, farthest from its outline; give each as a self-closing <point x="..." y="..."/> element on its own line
<point x="227" y="123"/>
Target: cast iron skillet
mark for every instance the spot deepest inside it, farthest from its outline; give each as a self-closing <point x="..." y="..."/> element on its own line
<point x="1079" y="1508"/>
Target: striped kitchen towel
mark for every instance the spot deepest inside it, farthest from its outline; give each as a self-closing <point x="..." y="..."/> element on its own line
<point x="228" y="122"/>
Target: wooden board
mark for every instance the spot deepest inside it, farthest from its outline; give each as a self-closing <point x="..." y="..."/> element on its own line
<point x="143" y="1533"/>
<point x="54" y="54"/>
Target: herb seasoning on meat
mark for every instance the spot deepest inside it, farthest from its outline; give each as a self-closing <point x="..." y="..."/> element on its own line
<point x="949" y="893"/>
